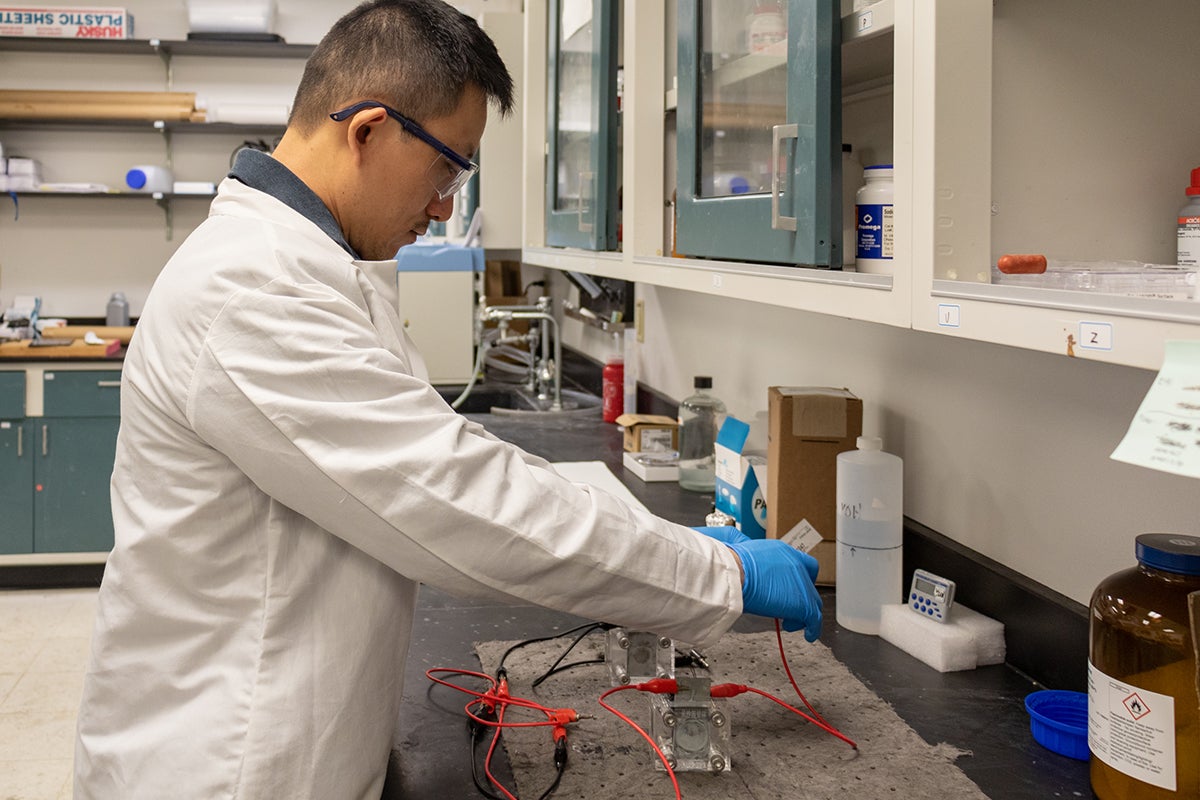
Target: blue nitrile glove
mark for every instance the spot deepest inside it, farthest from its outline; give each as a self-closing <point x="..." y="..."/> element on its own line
<point x="779" y="583"/>
<point x="727" y="534"/>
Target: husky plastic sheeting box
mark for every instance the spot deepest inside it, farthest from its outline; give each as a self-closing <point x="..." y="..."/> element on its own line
<point x="809" y="426"/>
<point x="66" y="22"/>
<point x="741" y="472"/>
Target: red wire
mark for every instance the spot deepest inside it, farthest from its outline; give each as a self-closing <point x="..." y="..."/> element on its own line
<point x="788" y="671"/>
<point x="487" y="761"/>
<point x="822" y="724"/>
<point x="661" y="757"/>
<point x="497" y="697"/>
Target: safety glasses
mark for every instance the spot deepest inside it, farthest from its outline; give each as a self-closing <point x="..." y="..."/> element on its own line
<point x="449" y="171"/>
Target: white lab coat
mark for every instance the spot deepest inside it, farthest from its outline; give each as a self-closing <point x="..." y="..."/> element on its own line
<point x="284" y="478"/>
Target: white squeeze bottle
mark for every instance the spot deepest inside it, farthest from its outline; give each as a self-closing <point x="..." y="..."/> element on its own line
<point x="870" y="515"/>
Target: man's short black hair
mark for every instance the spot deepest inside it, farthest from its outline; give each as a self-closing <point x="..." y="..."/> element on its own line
<point x="415" y="55"/>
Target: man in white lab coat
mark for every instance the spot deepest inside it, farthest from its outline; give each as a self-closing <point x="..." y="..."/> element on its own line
<point x="285" y="476"/>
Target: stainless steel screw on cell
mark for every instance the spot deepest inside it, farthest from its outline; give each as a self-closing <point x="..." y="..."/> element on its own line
<point x="717" y="763"/>
<point x="717" y="719"/>
<point x="664" y="642"/>
<point x="669" y="719"/>
<point x="623" y="642"/>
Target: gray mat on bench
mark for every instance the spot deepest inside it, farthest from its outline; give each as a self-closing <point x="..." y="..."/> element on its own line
<point x="776" y="754"/>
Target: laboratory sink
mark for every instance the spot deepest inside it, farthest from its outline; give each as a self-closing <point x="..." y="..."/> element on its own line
<point x="518" y="401"/>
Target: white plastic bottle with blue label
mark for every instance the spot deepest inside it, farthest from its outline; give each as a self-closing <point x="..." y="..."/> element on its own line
<point x="870" y="534"/>
<point x="874" y="230"/>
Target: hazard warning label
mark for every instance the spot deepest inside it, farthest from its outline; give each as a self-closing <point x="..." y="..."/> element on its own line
<point x="1132" y="729"/>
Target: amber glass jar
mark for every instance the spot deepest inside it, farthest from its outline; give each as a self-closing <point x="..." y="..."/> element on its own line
<point x="1143" y="704"/>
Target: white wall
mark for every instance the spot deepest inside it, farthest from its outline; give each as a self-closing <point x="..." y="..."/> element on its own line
<point x="74" y="252"/>
<point x="1005" y="450"/>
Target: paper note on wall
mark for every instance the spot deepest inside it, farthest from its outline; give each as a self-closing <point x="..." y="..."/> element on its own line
<point x="1165" y="432"/>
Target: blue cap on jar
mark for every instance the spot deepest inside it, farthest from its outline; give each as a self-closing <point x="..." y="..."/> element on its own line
<point x="1170" y="552"/>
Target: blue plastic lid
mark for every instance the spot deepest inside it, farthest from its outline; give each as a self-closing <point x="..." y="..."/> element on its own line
<point x="1170" y="552"/>
<point x="1059" y="721"/>
<point x="135" y="178"/>
<point x="879" y="166"/>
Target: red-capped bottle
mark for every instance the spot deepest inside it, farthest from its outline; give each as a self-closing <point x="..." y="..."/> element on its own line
<point x="614" y="388"/>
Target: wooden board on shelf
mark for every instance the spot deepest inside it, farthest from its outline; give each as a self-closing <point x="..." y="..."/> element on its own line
<point x="76" y="349"/>
<point x="46" y="104"/>
<point x="121" y="333"/>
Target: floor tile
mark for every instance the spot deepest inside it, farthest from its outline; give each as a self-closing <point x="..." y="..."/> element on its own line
<point x="7" y="681"/>
<point x="34" y="780"/>
<point x="37" y="735"/>
<point x="62" y="654"/>
<point x="45" y="692"/>
<point x="17" y="654"/>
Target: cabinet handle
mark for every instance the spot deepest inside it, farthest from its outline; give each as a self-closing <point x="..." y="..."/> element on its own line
<point x="778" y="133"/>
<point x="109" y="384"/>
<point x="45" y="438"/>
<point x="20" y="440"/>
<point x="587" y="182"/>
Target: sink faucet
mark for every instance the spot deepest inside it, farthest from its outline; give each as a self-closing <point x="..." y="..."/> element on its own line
<point x="548" y="370"/>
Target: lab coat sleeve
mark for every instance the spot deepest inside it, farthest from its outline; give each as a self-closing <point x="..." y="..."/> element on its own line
<point x="301" y="390"/>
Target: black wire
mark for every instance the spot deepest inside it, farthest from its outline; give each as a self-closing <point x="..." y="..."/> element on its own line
<point x="557" y="778"/>
<point x="589" y="625"/>
<point x="474" y="768"/>
<point x="566" y="667"/>
<point x="586" y="632"/>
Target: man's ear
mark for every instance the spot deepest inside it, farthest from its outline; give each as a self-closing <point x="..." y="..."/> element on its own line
<point x="362" y="129"/>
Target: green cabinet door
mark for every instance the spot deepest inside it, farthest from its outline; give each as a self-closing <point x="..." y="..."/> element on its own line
<point x="72" y="471"/>
<point x="582" y="123"/>
<point x="759" y="132"/>
<point x="16" y="487"/>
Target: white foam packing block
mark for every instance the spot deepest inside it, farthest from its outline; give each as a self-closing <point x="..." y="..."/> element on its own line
<point x="967" y="640"/>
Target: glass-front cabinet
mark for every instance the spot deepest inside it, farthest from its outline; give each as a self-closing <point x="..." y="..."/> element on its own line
<point x="582" y="122"/>
<point x="1013" y="128"/>
<point x="759" y="132"/>
<point x="1055" y="147"/>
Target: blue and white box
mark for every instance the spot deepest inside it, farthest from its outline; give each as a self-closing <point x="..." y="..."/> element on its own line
<point x="741" y="477"/>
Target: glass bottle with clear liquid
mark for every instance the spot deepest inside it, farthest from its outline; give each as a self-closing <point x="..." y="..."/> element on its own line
<point x="699" y="418"/>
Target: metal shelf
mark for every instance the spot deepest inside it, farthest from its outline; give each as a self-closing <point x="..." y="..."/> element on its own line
<point x="217" y="48"/>
<point x="147" y="126"/>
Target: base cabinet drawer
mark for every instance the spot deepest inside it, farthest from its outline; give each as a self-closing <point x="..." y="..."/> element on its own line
<point x="56" y="470"/>
<point x="16" y="486"/>
<point x="72" y="472"/>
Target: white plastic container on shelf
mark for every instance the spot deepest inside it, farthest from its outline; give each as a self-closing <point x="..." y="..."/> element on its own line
<point x="231" y="16"/>
<point x="150" y="178"/>
<point x="870" y="534"/>
<point x="873" y="213"/>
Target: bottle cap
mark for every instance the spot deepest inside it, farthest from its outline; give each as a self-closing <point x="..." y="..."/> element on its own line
<point x="1194" y="189"/>
<point x="869" y="443"/>
<point x="702" y="382"/>
<point x="1170" y="552"/>
<point x="135" y="178"/>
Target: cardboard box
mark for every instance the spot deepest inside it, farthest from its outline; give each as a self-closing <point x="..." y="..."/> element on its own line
<point x="741" y="478"/>
<point x="809" y="426"/>
<point x="66" y="22"/>
<point x="649" y="433"/>
<point x="502" y="287"/>
<point x="651" y="469"/>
